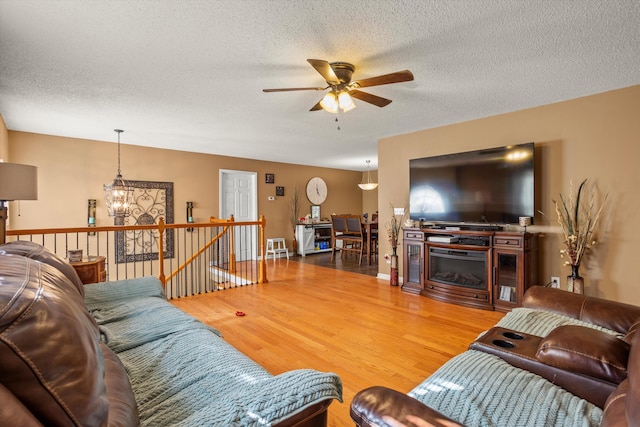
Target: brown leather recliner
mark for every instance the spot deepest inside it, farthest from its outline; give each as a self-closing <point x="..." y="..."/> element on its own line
<point x="593" y="375"/>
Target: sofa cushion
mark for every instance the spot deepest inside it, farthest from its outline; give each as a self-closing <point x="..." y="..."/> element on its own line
<point x="49" y="345"/>
<point x="541" y="323"/>
<point x="13" y="412"/>
<point x="40" y="253"/>
<point x="585" y="351"/>
<point x="480" y="389"/>
<point x="123" y="410"/>
<point x="183" y="373"/>
<point x="612" y="315"/>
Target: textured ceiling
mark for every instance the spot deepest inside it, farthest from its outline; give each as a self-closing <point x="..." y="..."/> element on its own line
<point x="189" y="75"/>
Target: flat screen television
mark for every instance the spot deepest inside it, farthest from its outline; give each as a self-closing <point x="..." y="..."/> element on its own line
<point x="491" y="186"/>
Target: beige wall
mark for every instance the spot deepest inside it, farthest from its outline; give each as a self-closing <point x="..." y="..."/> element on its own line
<point x="4" y="141"/>
<point x="595" y="137"/>
<point x="370" y="197"/>
<point x="70" y="171"/>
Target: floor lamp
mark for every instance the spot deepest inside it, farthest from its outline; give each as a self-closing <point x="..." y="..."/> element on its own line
<point x="17" y="182"/>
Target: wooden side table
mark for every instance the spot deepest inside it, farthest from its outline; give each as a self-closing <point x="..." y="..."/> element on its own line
<point x="91" y="269"/>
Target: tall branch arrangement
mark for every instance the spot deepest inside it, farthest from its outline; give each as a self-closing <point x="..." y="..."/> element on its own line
<point x="394" y="226"/>
<point x="578" y="217"/>
<point x="294" y="208"/>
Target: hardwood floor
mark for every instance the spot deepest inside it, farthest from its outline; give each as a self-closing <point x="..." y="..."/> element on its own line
<point x="357" y="326"/>
<point x="347" y="263"/>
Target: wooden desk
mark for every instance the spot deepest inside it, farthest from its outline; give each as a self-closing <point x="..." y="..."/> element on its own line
<point x="368" y="228"/>
<point x="91" y="269"/>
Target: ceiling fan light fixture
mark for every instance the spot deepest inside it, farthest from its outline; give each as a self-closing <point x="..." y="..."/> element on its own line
<point x="368" y="185"/>
<point x="330" y="102"/>
<point x="343" y="89"/>
<point x="345" y="101"/>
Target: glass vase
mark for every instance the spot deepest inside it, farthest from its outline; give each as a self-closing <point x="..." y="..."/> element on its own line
<point x="575" y="282"/>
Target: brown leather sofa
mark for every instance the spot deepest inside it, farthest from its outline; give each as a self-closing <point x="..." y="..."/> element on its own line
<point x="595" y="366"/>
<point x="55" y="369"/>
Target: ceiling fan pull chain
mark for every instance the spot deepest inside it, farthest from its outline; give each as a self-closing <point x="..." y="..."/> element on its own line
<point x="336" y="122"/>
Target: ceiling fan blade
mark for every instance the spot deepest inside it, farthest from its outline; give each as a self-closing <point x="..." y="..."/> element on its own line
<point x="397" y="77"/>
<point x="371" y="99"/>
<point x="291" y="89"/>
<point x="316" y="107"/>
<point x="325" y="70"/>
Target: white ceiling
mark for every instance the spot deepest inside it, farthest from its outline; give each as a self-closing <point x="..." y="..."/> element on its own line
<point x="188" y="75"/>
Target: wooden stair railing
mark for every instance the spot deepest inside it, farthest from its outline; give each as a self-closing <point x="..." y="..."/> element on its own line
<point x="70" y="238"/>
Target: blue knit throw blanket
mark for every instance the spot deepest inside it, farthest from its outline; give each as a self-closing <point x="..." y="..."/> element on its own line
<point x="183" y="373"/>
<point x="479" y="389"/>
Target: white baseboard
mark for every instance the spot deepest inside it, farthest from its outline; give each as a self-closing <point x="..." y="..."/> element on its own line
<point x="383" y="276"/>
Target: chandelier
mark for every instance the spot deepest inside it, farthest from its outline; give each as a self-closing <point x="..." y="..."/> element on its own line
<point x="368" y="185"/>
<point x="119" y="194"/>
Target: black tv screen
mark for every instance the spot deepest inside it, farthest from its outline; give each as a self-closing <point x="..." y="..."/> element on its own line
<point x="492" y="186"/>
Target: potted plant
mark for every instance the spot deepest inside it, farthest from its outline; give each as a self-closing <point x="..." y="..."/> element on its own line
<point x="578" y="217"/>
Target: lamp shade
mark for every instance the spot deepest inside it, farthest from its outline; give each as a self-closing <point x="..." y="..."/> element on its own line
<point x="368" y="185"/>
<point x="345" y="101"/>
<point x="330" y="102"/>
<point x="18" y="182"/>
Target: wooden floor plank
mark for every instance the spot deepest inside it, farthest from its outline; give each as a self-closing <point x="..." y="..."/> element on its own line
<point x="357" y="326"/>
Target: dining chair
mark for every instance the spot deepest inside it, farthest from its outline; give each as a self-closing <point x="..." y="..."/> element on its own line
<point x="355" y="237"/>
<point x="347" y="229"/>
<point x="338" y="228"/>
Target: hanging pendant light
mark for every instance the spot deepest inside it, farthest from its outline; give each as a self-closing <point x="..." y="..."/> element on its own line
<point x="119" y="194"/>
<point x="368" y="185"/>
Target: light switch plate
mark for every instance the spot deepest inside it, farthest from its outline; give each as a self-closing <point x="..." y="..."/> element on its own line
<point x="398" y="211"/>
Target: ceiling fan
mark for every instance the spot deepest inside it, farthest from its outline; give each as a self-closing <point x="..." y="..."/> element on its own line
<point x="338" y="77"/>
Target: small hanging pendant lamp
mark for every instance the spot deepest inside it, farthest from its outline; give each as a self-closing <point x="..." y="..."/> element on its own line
<point x="368" y="185"/>
<point x="119" y="194"/>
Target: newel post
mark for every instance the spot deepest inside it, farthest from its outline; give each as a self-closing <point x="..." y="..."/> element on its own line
<point x="262" y="271"/>
<point x="161" y="227"/>
<point x="232" y="247"/>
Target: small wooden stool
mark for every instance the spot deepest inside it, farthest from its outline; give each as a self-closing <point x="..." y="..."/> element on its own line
<point x="276" y="246"/>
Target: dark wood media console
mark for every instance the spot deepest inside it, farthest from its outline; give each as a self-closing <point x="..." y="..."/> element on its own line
<point x="488" y="269"/>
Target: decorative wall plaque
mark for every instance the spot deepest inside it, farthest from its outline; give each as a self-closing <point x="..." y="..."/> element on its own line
<point x="151" y="201"/>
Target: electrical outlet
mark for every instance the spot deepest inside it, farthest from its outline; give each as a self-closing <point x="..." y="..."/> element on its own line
<point x="555" y="282"/>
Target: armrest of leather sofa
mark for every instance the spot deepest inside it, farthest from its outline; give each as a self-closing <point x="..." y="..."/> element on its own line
<point x="585" y="351"/>
<point x="371" y="406"/>
<point x="519" y="350"/>
<point x="613" y="315"/>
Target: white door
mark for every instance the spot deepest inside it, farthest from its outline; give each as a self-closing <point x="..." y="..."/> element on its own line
<point x="238" y="197"/>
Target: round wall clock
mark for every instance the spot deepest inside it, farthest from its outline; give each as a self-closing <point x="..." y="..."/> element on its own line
<point x="316" y="190"/>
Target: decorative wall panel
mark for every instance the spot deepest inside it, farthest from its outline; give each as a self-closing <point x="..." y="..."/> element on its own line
<point x="151" y="201"/>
